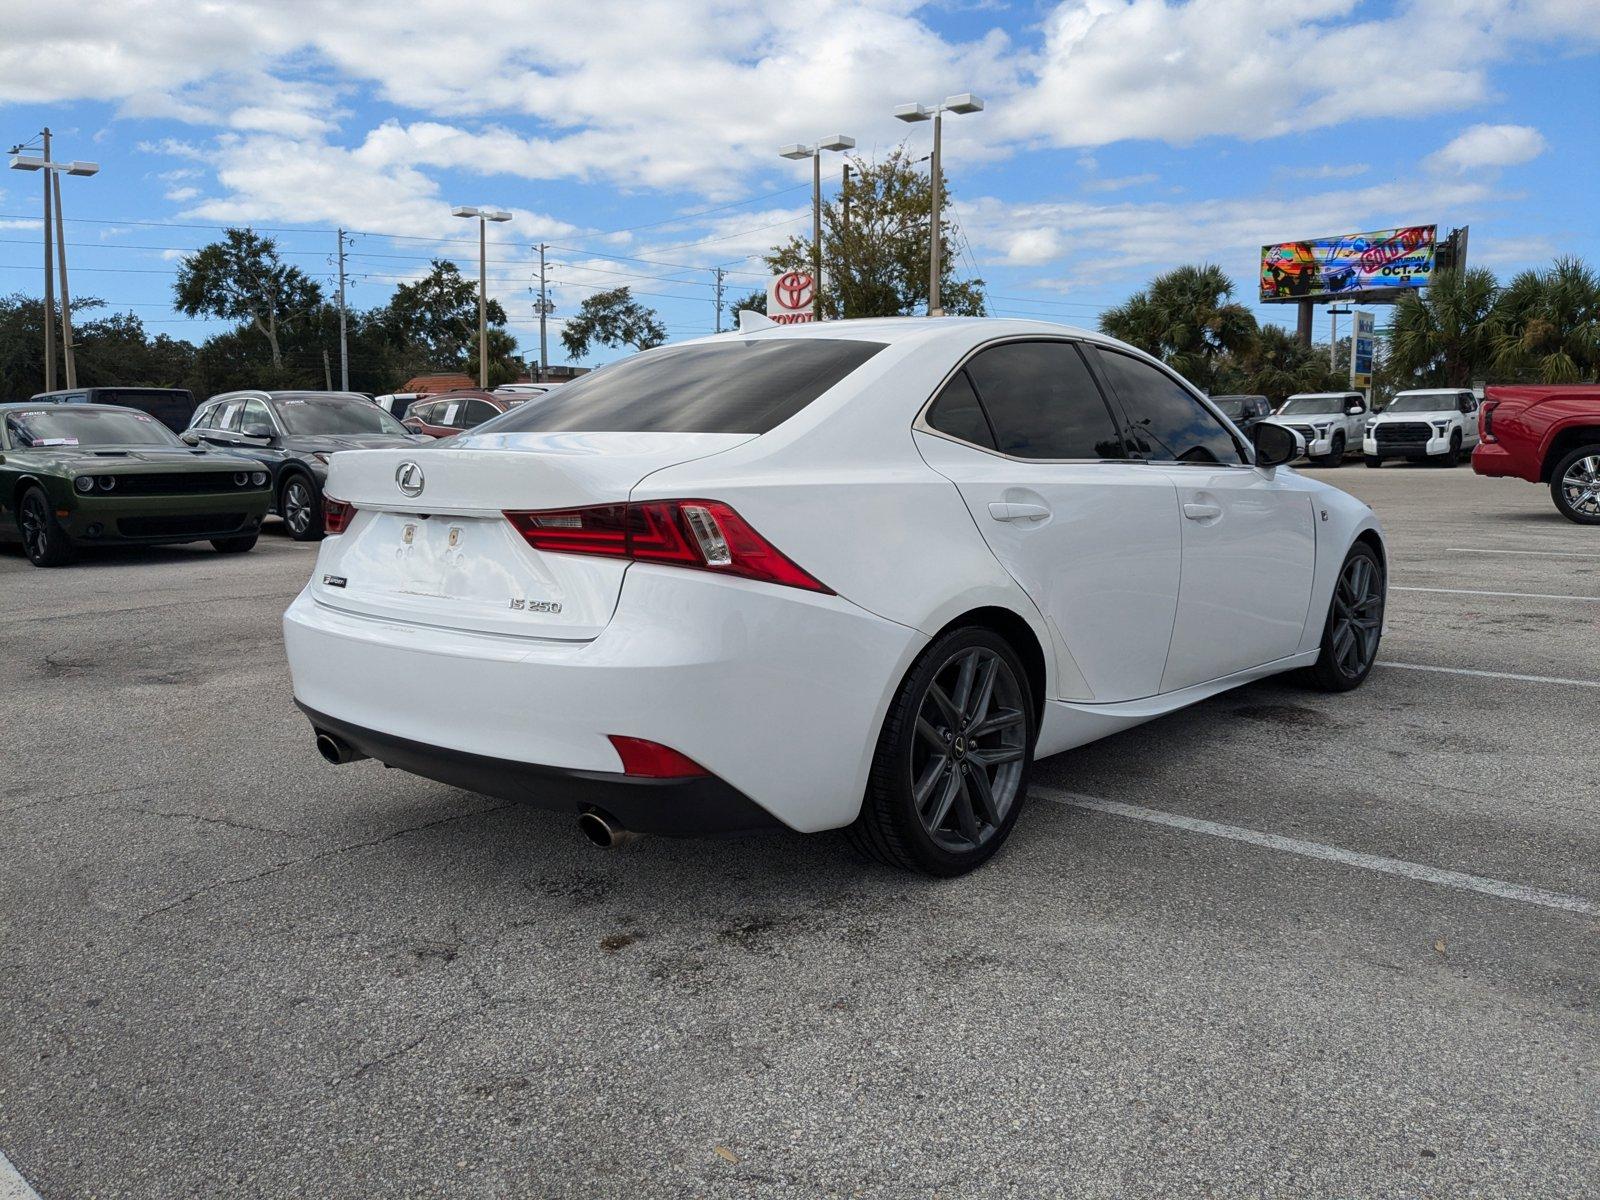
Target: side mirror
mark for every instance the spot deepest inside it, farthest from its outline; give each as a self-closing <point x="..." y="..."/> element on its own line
<point x="260" y="431"/>
<point x="189" y="437"/>
<point x="1275" y="444"/>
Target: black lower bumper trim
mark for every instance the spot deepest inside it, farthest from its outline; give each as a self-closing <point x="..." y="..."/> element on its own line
<point x="668" y="807"/>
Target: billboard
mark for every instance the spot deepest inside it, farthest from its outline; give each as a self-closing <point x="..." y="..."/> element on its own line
<point x="1363" y="339"/>
<point x="1376" y="265"/>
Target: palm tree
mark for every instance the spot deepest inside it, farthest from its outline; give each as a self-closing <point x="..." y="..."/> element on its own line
<point x="1444" y="335"/>
<point x="1547" y="324"/>
<point x="1187" y="319"/>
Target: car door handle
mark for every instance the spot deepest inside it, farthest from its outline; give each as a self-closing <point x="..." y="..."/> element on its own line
<point x="1001" y="511"/>
<point x="1202" y="512"/>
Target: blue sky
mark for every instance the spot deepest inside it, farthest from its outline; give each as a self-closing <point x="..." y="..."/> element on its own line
<point x="639" y="139"/>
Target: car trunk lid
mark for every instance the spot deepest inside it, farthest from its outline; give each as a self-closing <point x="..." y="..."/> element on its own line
<point x="430" y="544"/>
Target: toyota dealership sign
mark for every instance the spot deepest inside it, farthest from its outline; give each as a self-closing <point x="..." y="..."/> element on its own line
<point x="789" y="297"/>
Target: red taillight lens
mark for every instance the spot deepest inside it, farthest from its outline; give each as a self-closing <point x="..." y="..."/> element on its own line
<point x="703" y="534"/>
<point x="336" y="515"/>
<point x="1486" y="423"/>
<point x="652" y="760"/>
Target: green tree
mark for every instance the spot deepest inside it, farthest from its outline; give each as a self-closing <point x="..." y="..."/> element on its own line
<point x="1277" y="366"/>
<point x="1547" y="324"/>
<point x="755" y="300"/>
<point x="612" y="318"/>
<point x="436" y="318"/>
<point x="1186" y="318"/>
<point x="1444" y="336"/>
<point x="875" y="260"/>
<point x="504" y="365"/>
<point x="241" y="278"/>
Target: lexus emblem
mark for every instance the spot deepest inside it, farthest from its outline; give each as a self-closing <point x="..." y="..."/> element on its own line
<point x="408" y="477"/>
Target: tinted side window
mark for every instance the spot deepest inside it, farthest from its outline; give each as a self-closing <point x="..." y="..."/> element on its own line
<point x="477" y="412"/>
<point x="1166" y="423"/>
<point x="1043" y="403"/>
<point x="958" y="413"/>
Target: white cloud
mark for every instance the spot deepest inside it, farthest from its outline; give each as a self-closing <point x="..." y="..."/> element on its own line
<point x="1489" y="148"/>
<point x="1328" y="171"/>
<point x="1120" y="184"/>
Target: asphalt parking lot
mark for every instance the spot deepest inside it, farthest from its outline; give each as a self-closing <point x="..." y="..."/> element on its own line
<point x="1224" y="955"/>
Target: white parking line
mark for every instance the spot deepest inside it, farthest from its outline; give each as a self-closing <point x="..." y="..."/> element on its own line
<point x="1399" y="666"/>
<point x="12" y="1185"/>
<point x="1535" y="553"/>
<point x="1349" y="858"/>
<point x="1471" y="592"/>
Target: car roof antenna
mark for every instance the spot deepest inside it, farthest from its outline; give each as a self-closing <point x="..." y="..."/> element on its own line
<point x="750" y="321"/>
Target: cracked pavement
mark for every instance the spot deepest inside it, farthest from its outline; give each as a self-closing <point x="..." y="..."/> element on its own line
<point x="229" y="969"/>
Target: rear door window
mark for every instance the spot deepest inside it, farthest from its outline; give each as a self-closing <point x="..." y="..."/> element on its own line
<point x="1043" y="402"/>
<point x="719" y="387"/>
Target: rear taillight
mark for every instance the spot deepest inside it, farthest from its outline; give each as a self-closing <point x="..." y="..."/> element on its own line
<point x="705" y="535"/>
<point x="652" y="760"/>
<point x="336" y="515"/>
<point x="1486" y="423"/>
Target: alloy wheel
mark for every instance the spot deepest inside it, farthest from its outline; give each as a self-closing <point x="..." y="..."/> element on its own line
<point x="967" y="757"/>
<point x="1580" y="486"/>
<point x="297" y="506"/>
<point x="1357" y="616"/>
<point x="35" y="526"/>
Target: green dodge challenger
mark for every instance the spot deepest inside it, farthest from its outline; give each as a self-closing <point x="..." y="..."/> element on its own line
<point x="95" y="474"/>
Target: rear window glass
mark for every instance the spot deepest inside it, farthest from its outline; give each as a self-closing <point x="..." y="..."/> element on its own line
<point x="728" y="387"/>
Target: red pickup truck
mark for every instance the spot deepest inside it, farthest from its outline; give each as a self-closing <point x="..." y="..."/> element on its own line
<point x="1545" y="434"/>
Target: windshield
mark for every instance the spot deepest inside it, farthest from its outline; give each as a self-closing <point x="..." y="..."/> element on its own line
<point x="1434" y="402"/>
<point x="75" y="426"/>
<point x="1232" y="406"/>
<point x="721" y="387"/>
<point x="313" y="414"/>
<point x="1311" y="405"/>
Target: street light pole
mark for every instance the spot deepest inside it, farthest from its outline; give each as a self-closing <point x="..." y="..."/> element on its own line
<point x="966" y="102"/>
<point x="52" y="204"/>
<point x="49" y="284"/>
<point x="484" y="215"/>
<point x="798" y="151"/>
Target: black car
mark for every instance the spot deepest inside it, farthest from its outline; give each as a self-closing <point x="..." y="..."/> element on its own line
<point x="294" y="434"/>
<point x="173" y="407"/>
<point x="1244" y="411"/>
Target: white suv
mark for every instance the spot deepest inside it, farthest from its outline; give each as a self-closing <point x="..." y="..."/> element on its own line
<point x="1329" y="423"/>
<point x="1437" y="423"/>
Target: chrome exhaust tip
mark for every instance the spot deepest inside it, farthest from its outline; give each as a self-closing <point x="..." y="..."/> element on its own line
<point x="336" y="750"/>
<point x="603" y="832"/>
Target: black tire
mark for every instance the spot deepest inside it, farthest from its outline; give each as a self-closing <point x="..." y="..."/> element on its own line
<point x="1335" y="455"/>
<point x="1336" y="669"/>
<point x="43" y="540"/>
<point x="891" y="827"/>
<point x="1452" y="456"/>
<point x="1580" y="463"/>
<point x="1372" y="461"/>
<point x="300" y="506"/>
<point x="242" y="544"/>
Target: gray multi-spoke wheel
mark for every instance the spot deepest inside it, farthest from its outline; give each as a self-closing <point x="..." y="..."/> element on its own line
<point x="43" y="539"/>
<point x="1575" y="485"/>
<point x="951" y="769"/>
<point x="301" y="508"/>
<point x="1355" y="622"/>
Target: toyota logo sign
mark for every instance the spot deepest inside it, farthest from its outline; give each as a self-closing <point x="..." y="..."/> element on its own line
<point x="789" y="297"/>
<point x="408" y="477"/>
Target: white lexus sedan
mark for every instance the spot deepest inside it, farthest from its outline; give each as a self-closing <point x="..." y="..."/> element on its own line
<point x="854" y="574"/>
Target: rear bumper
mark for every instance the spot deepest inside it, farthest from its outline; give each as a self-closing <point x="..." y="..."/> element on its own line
<point x="778" y="693"/>
<point x="1494" y="460"/>
<point x="669" y="807"/>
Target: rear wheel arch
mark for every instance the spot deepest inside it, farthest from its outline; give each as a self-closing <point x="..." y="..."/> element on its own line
<point x="1016" y="630"/>
<point x="1564" y="442"/>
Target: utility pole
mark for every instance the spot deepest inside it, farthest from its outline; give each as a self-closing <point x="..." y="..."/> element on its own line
<point x="344" y="339"/>
<point x="1335" y="312"/>
<point x="49" y="285"/>
<point x="53" y="182"/>
<point x="935" y="179"/>
<point x="718" y="272"/>
<point x="544" y="311"/>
